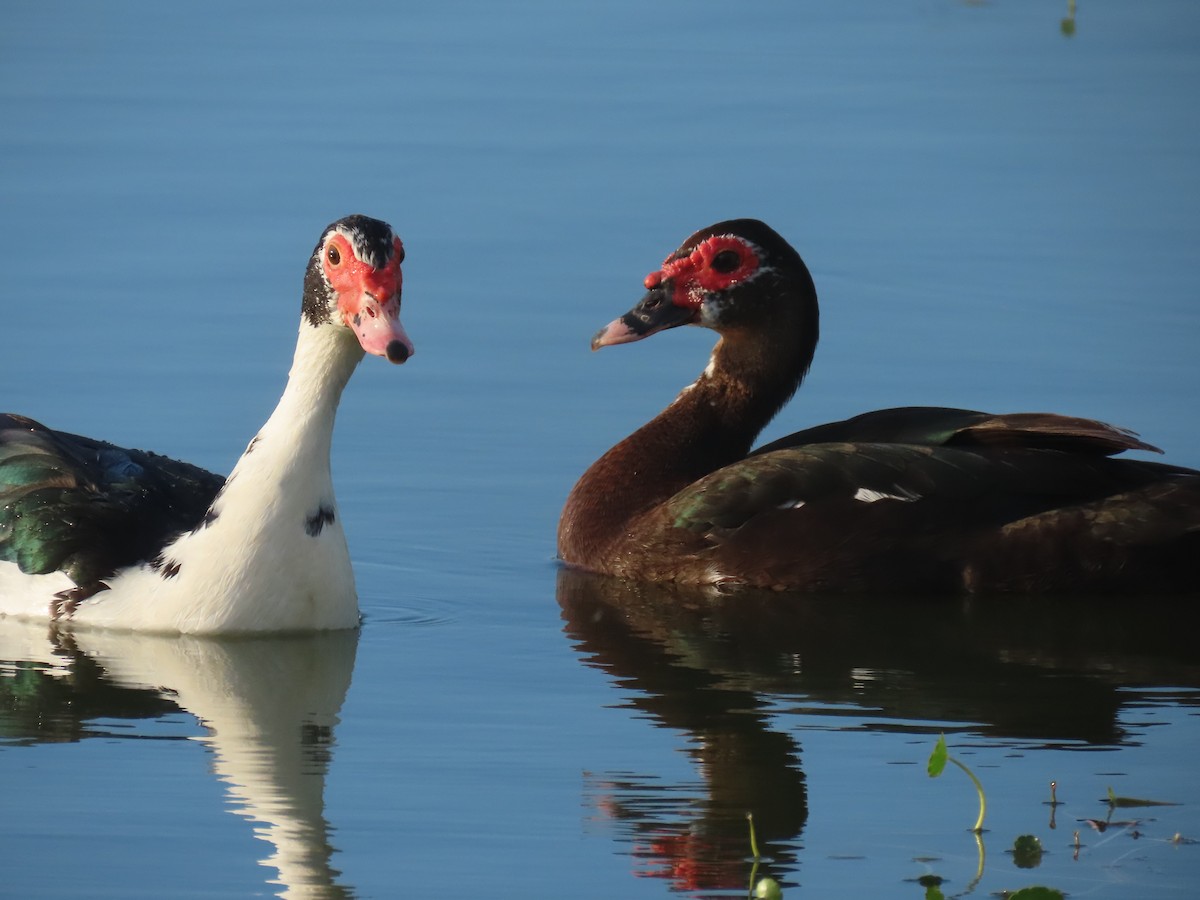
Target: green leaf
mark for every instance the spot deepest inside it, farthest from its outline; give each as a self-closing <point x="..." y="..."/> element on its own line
<point x="933" y="886"/>
<point x="937" y="759"/>
<point x="1027" y="852"/>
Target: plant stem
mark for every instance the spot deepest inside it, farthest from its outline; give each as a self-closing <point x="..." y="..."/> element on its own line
<point x="979" y="789"/>
<point x="753" y="840"/>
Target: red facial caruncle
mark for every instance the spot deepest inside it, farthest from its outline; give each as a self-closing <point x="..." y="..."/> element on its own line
<point x="715" y="264"/>
<point x="346" y="271"/>
<point x="368" y="296"/>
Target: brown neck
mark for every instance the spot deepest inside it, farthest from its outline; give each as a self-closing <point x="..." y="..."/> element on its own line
<point x="711" y="424"/>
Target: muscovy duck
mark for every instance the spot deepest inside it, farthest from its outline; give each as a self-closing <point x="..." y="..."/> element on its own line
<point x="920" y="499"/>
<point x="95" y="535"/>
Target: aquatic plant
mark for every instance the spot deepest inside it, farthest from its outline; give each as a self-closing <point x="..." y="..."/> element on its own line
<point x="1027" y="851"/>
<point x="765" y="888"/>
<point x="937" y="765"/>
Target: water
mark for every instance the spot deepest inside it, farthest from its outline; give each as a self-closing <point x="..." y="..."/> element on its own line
<point x="997" y="216"/>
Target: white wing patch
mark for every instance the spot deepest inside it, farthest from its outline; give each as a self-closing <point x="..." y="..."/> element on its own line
<point x="790" y="504"/>
<point x="867" y="495"/>
<point x="714" y="576"/>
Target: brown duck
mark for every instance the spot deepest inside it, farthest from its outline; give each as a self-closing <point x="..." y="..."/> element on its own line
<point x="918" y="499"/>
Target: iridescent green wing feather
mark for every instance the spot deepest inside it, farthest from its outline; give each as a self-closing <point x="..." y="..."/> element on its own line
<point x="86" y="507"/>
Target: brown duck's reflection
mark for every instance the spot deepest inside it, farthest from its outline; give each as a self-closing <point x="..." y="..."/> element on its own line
<point x="1035" y="669"/>
<point x="268" y="706"/>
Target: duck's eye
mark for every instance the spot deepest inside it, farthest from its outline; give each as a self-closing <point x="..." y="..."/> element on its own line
<point x="725" y="262"/>
<point x="334" y="255"/>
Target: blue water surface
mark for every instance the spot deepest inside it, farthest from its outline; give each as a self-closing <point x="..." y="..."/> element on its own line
<point x="998" y="202"/>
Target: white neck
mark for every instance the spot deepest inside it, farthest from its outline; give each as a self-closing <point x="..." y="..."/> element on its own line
<point x="298" y="436"/>
<point x="271" y="554"/>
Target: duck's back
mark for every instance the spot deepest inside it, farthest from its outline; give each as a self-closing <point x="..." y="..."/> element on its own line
<point x="88" y="508"/>
<point x="875" y="516"/>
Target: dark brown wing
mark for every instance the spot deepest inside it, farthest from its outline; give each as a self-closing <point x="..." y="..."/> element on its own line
<point x="943" y="427"/>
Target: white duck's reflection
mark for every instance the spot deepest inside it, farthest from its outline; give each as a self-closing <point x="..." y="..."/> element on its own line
<point x="269" y="707"/>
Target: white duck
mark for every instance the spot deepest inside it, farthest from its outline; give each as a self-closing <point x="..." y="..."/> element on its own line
<point x="96" y="535"/>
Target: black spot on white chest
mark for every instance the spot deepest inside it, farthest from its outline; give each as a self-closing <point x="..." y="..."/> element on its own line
<point x="315" y="523"/>
<point x="166" y="568"/>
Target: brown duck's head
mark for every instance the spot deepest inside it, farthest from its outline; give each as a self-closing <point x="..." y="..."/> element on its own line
<point x="737" y="274"/>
